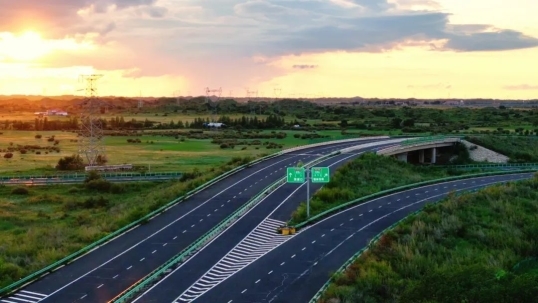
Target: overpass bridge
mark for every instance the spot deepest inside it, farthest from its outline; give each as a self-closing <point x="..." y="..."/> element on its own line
<point x="421" y="145"/>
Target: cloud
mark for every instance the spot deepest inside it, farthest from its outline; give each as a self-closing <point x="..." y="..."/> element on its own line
<point x="304" y="66"/>
<point x="521" y="87"/>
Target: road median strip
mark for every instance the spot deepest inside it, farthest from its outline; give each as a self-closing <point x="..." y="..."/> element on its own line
<point x="87" y="249"/>
<point x="185" y="254"/>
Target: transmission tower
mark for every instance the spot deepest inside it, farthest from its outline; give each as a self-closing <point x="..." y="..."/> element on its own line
<point x="177" y="93"/>
<point x="276" y="93"/>
<point x="90" y="143"/>
<point x="212" y="105"/>
<point x="250" y="95"/>
<point x="140" y="101"/>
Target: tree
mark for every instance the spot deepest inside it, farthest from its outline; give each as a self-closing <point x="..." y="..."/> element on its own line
<point x="101" y="160"/>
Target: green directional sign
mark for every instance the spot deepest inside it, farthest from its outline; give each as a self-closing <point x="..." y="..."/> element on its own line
<point x="295" y="175"/>
<point x="320" y="175"/>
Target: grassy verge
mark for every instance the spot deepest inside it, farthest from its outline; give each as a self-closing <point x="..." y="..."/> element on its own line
<point x="479" y="247"/>
<point x="366" y="175"/>
<point x="36" y="223"/>
<point x="518" y="149"/>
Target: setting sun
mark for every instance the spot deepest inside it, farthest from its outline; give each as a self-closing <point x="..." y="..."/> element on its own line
<point x="31" y="46"/>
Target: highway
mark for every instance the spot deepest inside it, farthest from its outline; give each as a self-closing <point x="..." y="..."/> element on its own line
<point x="262" y="266"/>
<point x="106" y="271"/>
<point x="277" y="205"/>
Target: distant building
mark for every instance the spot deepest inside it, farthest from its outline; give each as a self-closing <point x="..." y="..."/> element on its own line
<point x="56" y="112"/>
<point x="214" y="125"/>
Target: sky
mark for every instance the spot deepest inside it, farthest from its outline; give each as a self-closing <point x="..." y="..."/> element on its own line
<point x="277" y="48"/>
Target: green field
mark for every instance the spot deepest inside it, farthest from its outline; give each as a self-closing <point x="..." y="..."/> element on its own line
<point x="478" y="247"/>
<point x="166" y="153"/>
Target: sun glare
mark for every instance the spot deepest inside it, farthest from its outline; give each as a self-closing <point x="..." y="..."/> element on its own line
<point x="30" y="46"/>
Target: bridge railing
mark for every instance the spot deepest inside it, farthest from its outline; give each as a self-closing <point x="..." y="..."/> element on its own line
<point x="70" y="258"/>
<point x="409" y="143"/>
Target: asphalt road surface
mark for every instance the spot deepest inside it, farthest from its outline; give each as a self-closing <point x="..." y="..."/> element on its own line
<point x="292" y="269"/>
<point x="105" y="272"/>
<point x="192" y="278"/>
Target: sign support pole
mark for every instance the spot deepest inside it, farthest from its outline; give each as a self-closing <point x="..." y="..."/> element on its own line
<point x="308" y="194"/>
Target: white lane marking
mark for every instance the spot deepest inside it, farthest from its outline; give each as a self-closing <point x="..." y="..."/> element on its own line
<point x="142" y="259"/>
<point x="129" y="267"/>
<point x="100" y="286"/>
<point x="258" y="281"/>
<point x="164" y="244"/>
<point x="258" y="242"/>
<point x="384" y="216"/>
<point x="170" y="224"/>
<point x="303" y="248"/>
<point x="83" y="297"/>
<point x="207" y="245"/>
<point x="174" y="238"/>
<point x="293" y="256"/>
<point x="282" y="263"/>
<point x="244" y="291"/>
<point x="153" y="251"/>
<point x="313" y="241"/>
<point x="184" y="231"/>
<point x="270" y="272"/>
<point x="171" y="274"/>
<point x="25" y="296"/>
<point x="115" y="277"/>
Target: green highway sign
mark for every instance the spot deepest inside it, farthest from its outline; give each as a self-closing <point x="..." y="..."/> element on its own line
<point x="320" y="175"/>
<point x="295" y="175"/>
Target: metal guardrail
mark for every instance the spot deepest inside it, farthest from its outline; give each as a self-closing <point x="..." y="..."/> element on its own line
<point x="82" y="176"/>
<point x="70" y="258"/>
<point x="341" y="207"/>
<point x="489" y="165"/>
<point x="370" y="244"/>
<point x="154" y="276"/>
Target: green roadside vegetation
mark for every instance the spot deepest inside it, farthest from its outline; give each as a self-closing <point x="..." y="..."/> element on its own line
<point x="480" y="247"/>
<point x="42" y="224"/>
<point x="519" y="149"/>
<point x="369" y="174"/>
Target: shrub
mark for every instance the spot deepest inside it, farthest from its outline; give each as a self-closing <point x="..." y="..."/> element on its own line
<point x="73" y="162"/>
<point x="100" y="185"/>
<point x="224" y="145"/>
<point x="92" y="202"/>
<point x="8" y="155"/>
<point x="20" y="191"/>
<point x="38" y="136"/>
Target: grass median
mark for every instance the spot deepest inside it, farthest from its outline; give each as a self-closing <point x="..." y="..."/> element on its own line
<point x="478" y="247"/>
<point x="368" y="174"/>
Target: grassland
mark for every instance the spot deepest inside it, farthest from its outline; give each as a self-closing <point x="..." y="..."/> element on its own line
<point x="159" y="153"/>
<point x="37" y="223"/>
<point x="479" y="248"/>
<point x="363" y="176"/>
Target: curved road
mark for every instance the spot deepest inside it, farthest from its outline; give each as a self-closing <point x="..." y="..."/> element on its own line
<point x="294" y="268"/>
<point x="105" y="272"/>
<point x="277" y="205"/>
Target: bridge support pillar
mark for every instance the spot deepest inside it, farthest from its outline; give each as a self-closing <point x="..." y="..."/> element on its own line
<point x="434" y="155"/>
<point x="402" y="157"/>
<point x="421" y="156"/>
